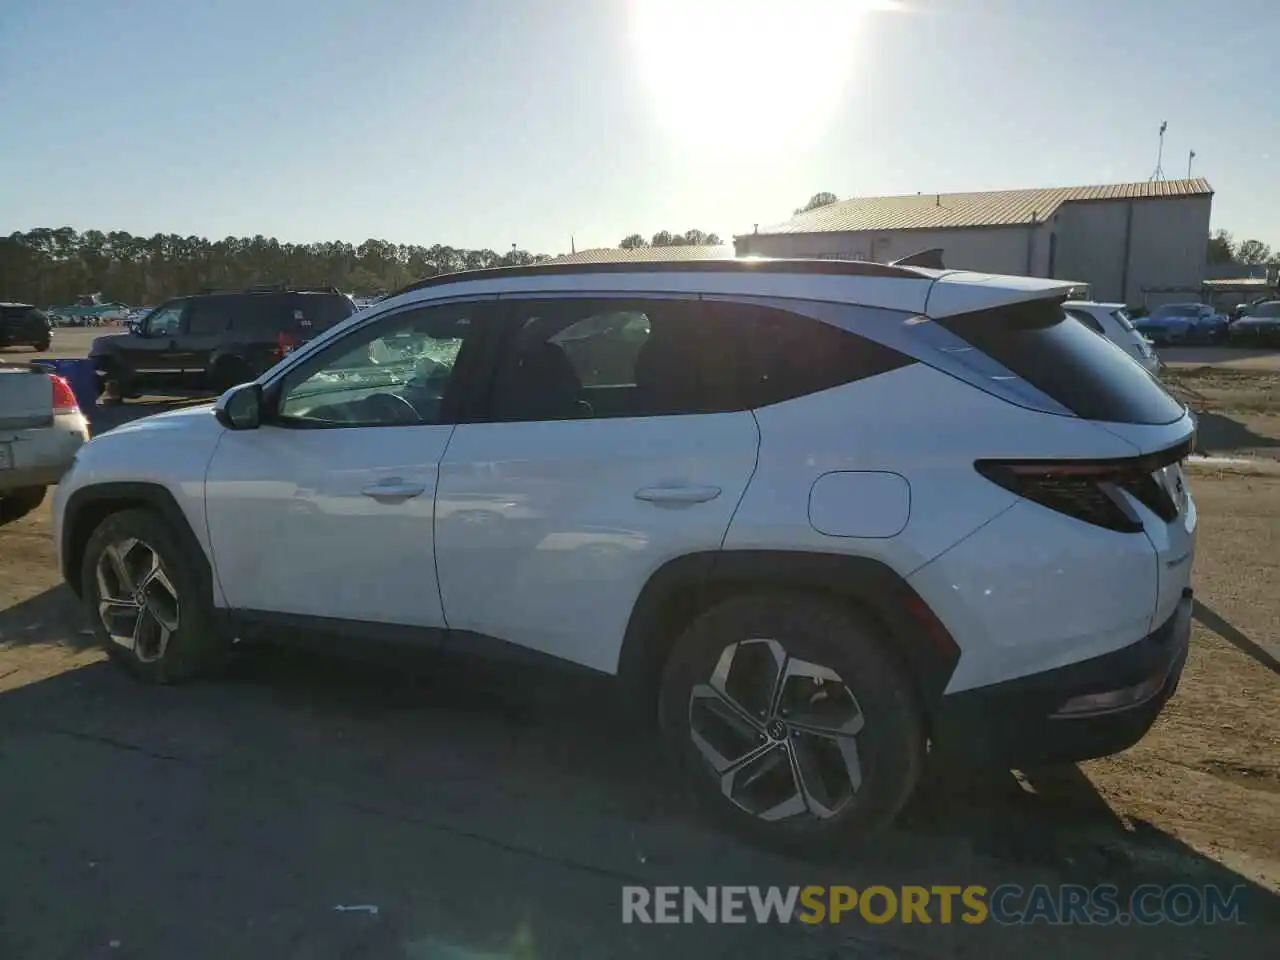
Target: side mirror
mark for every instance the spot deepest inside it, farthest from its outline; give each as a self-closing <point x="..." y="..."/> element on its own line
<point x="240" y="408"/>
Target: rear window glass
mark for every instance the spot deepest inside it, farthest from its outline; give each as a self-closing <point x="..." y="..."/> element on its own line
<point x="318" y="312"/>
<point x="1087" y="374"/>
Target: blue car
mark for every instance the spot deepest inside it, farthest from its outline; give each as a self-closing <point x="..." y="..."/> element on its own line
<point x="1183" y="323"/>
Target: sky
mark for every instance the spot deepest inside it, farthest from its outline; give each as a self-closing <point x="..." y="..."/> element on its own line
<point x="541" y="123"/>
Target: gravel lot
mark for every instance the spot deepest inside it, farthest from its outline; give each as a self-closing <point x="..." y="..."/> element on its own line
<point x="493" y="811"/>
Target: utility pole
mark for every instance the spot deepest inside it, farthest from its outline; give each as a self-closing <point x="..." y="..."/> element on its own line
<point x="1191" y="156"/>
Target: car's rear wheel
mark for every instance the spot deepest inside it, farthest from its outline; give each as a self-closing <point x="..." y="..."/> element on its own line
<point x="16" y="504"/>
<point x="148" y="600"/>
<point x="792" y="722"/>
<point x="42" y="345"/>
<point x="229" y="372"/>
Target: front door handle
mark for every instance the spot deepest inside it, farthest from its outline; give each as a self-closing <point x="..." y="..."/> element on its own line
<point x="677" y="495"/>
<point x="394" y="490"/>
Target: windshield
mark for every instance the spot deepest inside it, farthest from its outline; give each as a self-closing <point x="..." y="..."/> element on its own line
<point x="1267" y="310"/>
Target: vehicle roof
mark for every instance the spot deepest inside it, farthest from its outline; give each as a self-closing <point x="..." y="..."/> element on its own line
<point x="911" y="289"/>
<point x="262" y="291"/>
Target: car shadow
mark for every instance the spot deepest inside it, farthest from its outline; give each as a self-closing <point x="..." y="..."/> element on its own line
<point x="53" y="616"/>
<point x="1217" y="433"/>
<point x="520" y="755"/>
<point x="1214" y="621"/>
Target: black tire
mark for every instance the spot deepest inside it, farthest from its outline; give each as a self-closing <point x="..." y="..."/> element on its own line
<point x="229" y="372"/>
<point x="16" y="504"/>
<point x="890" y="748"/>
<point x="197" y="646"/>
<point x="113" y="384"/>
<point x="42" y="346"/>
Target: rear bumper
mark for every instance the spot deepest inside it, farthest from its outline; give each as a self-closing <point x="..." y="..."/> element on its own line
<point x="1020" y="722"/>
<point x="44" y="454"/>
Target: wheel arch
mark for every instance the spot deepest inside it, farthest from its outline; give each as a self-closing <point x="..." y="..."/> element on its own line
<point x="686" y="586"/>
<point x="87" y="507"/>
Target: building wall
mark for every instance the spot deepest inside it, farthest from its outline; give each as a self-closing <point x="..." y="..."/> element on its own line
<point x="991" y="249"/>
<point x="1090" y="246"/>
<point x="1166" y="240"/>
<point x="1169" y="244"/>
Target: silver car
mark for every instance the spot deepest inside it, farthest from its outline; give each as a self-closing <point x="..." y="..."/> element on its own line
<point x="41" y="428"/>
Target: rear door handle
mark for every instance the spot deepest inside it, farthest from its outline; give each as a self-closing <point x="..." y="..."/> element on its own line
<point x="394" y="490"/>
<point x="677" y="495"/>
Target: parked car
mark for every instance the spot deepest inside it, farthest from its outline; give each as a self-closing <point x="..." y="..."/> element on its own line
<point x="810" y="534"/>
<point x="214" y="339"/>
<point x="1259" y="326"/>
<point x="41" y="428"/>
<point x="1183" y="323"/>
<point x="1112" y="321"/>
<point x="22" y="325"/>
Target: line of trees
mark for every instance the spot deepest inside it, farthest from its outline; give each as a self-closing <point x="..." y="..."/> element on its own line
<point x="54" y="266"/>
<point x="668" y="238"/>
<point x="1224" y="249"/>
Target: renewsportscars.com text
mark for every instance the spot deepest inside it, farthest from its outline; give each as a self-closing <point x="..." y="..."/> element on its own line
<point x="1007" y="904"/>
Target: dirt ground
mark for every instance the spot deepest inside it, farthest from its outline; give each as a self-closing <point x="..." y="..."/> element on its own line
<point x="1238" y="408"/>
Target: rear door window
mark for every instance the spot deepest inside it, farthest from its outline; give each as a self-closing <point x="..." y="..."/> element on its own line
<point x="257" y="314"/>
<point x="209" y="316"/>
<point x="1083" y="372"/>
<point x="580" y="358"/>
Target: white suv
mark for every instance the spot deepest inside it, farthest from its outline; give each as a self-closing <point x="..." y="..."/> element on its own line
<point x="822" y="518"/>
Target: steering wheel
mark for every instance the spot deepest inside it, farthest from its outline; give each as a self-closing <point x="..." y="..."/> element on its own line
<point x="390" y="407"/>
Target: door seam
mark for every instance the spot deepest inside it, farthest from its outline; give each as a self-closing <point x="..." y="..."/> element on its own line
<point x="435" y="541"/>
<point x="755" y="466"/>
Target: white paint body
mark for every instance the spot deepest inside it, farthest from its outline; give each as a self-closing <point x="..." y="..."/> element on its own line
<point x="543" y="534"/>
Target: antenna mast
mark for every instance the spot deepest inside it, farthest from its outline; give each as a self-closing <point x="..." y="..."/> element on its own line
<point x="1159" y="174"/>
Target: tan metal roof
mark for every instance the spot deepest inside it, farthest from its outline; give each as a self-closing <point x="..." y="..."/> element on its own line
<point x="994" y="208"/>
<point x="614" y="254"/>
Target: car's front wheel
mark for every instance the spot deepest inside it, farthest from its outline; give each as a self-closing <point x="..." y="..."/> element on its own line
<point x="794" y="724"/>
<point x="149" y="599"/>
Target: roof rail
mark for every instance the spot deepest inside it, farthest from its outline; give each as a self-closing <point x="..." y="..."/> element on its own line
<point x="266" y="288"/>
<point x="851" y="268"/>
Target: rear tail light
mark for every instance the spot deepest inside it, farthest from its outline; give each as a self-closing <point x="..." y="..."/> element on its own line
<point x="64" y="398"/>
<point x="285" y="343"/>
<point x="1093" y="490"/>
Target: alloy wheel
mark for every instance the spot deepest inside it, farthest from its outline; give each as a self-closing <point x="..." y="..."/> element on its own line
<point x="137" y="601"/>
<point x="779" y="733"/>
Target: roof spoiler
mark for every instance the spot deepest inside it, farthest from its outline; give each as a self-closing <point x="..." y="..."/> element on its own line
<point x="930" y="259"/>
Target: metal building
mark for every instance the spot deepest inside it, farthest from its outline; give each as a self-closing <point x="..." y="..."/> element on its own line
<point x="1122" y="239"/>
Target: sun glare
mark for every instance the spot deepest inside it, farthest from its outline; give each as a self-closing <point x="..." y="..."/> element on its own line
<point x="763" y="76"/>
